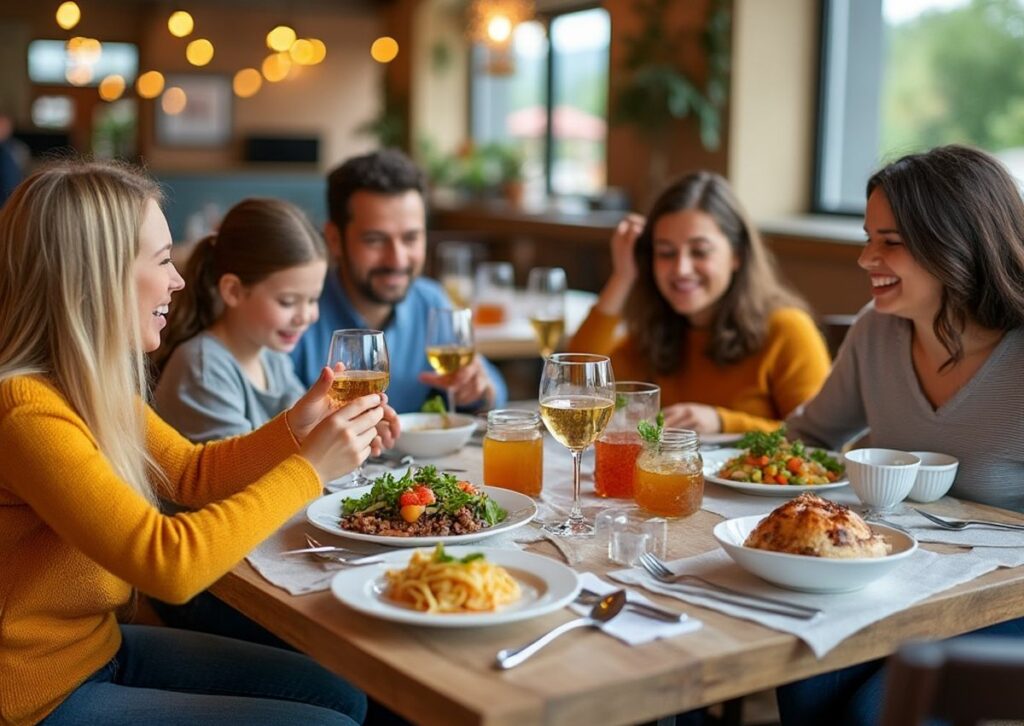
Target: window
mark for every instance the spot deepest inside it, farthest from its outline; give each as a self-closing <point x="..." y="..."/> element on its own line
<point x="900" y="76"/>
<point x="558" y="71"/>
<point x="80" y="61"/>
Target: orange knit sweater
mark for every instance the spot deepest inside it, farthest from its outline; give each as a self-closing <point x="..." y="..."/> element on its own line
<point x="75" y="539"/>
<point x="754" y="394"/>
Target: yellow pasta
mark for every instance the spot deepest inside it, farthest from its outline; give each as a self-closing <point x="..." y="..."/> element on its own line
<point x="438" y="583"/>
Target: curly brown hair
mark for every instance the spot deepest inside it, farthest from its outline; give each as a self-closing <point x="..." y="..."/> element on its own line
<point x="740" y="322"/>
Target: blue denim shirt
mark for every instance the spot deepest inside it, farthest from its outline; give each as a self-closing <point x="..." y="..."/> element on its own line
<point x="405" y="333"/>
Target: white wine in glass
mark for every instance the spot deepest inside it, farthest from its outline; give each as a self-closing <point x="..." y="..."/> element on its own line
<point x="359" y="359"/>
<point x="450" y="346"/>
<point x="545" y="288"/>
<point x="577" y="400"/>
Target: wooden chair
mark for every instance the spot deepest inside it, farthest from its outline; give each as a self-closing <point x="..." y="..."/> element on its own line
<point x="961" y="681"/>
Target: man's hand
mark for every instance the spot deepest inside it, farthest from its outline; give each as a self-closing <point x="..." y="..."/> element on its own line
<point x="469" y="384"/>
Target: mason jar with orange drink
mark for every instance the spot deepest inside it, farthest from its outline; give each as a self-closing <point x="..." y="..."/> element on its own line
<point x="615" y="451"/>
<point x="514" y="451"/>
<point x="669" y="476"/>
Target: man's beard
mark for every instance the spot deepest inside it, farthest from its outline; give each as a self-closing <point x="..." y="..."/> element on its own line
<point x="365" y="284"/>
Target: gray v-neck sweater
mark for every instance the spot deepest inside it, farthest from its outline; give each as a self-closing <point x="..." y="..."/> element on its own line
<point x="873" y="386"/>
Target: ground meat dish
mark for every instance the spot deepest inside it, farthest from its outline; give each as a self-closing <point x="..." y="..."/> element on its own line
<point x="429" y="525"/>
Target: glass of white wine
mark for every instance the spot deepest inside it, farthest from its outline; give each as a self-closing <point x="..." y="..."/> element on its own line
<point x="455" y="271"/>
<point x="450" y="346"/>
<point x="359" y="359"/>
<point x="577" y="400"/>
<point x="545" y="289"/>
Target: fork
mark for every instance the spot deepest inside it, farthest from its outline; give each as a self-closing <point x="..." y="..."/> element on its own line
<point x="705" y="588"/>
<point x="332" y="553"/>
<point x="958" y="524"/>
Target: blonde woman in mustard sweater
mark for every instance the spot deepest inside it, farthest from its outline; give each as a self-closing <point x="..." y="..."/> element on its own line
<point x="85" y="283"/>
<point x="706" y="316"/>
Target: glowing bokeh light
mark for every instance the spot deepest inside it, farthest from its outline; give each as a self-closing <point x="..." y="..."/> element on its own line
<point x="247" y="82"/>
<point x="199" y="52"/>
<point x="280" y="38"/>
<point x="150" y="84"/>
<point x="112" y="87"/>
<point x="173" y="101"/>
<point x="499" y="28"/>
<point x="319" y="51"/>
<point x="384" y="49"/>
<point x="302" y="52"/>
<point x="180" y="24"/>
<point x="276" y="67"/>
<point x="68" y="15"/>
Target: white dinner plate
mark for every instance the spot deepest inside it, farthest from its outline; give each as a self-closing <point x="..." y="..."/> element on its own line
<point x="546" y="585"/>
<point x="811" y="574"/>
<point x="713" y="461"/>
<point x="325" y="512"/>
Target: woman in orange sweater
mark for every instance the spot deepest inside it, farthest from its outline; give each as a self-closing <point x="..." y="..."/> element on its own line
<point x="707" y="318"/>
<point x="85" y="283"/>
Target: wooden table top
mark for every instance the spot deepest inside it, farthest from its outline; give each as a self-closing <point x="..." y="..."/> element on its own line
<point x="446" y="676"/>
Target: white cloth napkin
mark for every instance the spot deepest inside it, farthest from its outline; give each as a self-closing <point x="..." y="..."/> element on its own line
<point x="301" y="574"/>
<point x="631" y="627"/>
<point x="922" y="575"/>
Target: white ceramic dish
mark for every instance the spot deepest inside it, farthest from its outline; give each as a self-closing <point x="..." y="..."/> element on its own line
<point x="935" y="476"/>
<point x="713" y="461"/>
<point x="881" y="478"/>
<point x="423" y="437"/>
<point x="324" y="512"/>
<point x="547" y="585"/>
<point x="810" y="574"/>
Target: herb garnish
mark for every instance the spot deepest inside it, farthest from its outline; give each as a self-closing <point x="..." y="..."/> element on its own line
<point x="651" y="432"/>
<point x="434" y="404"/>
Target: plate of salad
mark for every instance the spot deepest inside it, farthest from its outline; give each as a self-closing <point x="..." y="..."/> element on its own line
<point x="767" y="464"/>
<point x="422" y="507"/>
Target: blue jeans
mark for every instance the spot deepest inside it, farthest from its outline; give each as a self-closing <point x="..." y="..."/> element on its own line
<point x="165" y="677"/>
<point x="852" y="696"/>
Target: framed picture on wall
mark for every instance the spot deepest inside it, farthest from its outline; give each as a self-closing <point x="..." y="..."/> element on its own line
<point x="194" y="111"/>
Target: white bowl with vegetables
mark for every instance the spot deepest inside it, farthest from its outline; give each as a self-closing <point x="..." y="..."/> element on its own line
<point x="767" y="464"/>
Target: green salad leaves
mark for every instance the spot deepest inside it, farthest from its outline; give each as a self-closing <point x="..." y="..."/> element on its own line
<point x="452" y="495"/>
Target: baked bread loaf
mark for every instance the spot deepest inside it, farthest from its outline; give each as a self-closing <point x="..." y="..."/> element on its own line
<point x="812" y="526"/>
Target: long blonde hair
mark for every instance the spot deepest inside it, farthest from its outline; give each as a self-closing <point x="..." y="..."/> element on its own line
<point x="69" y="237"/>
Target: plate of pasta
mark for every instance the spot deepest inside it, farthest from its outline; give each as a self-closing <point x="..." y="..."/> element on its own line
<point x="458" y="587"/>
<point x="422" y="507"/>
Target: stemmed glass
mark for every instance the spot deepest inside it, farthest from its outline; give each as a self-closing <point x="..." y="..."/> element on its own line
<point x="450" y="345"/>
<point x="577" y="399"/>
<point x="455" y="263"/>
<point x="545" y="288"/>
<point x="359" y="359"/>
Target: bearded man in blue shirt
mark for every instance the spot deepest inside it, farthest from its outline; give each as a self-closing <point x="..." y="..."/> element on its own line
<point x="377" y="236"/>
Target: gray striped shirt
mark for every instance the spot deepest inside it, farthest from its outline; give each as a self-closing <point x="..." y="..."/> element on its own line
<point x="873" y="387"/>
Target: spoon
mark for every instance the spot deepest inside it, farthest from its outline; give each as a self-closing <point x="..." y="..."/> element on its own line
<point x="604" y="610"/>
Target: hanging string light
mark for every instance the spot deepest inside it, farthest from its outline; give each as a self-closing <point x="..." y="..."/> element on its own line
<point x="281" y="38"/>
<point x="199" y="52"/>
<point x="384" y="49"/>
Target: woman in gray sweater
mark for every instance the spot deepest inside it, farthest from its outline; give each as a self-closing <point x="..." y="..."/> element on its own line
<point x="933" y="363"/>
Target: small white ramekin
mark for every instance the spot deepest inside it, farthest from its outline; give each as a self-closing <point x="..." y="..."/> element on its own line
<point x="881" y="478"/>
<point x="935" y="477"/>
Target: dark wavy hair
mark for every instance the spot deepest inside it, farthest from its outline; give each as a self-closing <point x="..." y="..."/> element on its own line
<point x="740" y="323"/>
<point x="387" y="171"/>
<point x="256" y="238"/>
<point x="960" y="215"/>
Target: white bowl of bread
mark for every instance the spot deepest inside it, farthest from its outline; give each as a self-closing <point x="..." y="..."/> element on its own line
<point x="814" y="545"/>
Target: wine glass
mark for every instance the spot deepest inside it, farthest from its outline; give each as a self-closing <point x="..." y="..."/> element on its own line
<point x="450" y="345"/>
<point x="359" y="359"/>
<point x="577" y="399"/>
<point x="545" y="288"/>
<point x="455" y="271"/>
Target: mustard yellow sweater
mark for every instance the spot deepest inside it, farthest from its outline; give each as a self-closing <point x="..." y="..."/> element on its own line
<point x="75" y="539"/>
<point x="755" y="393"/>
